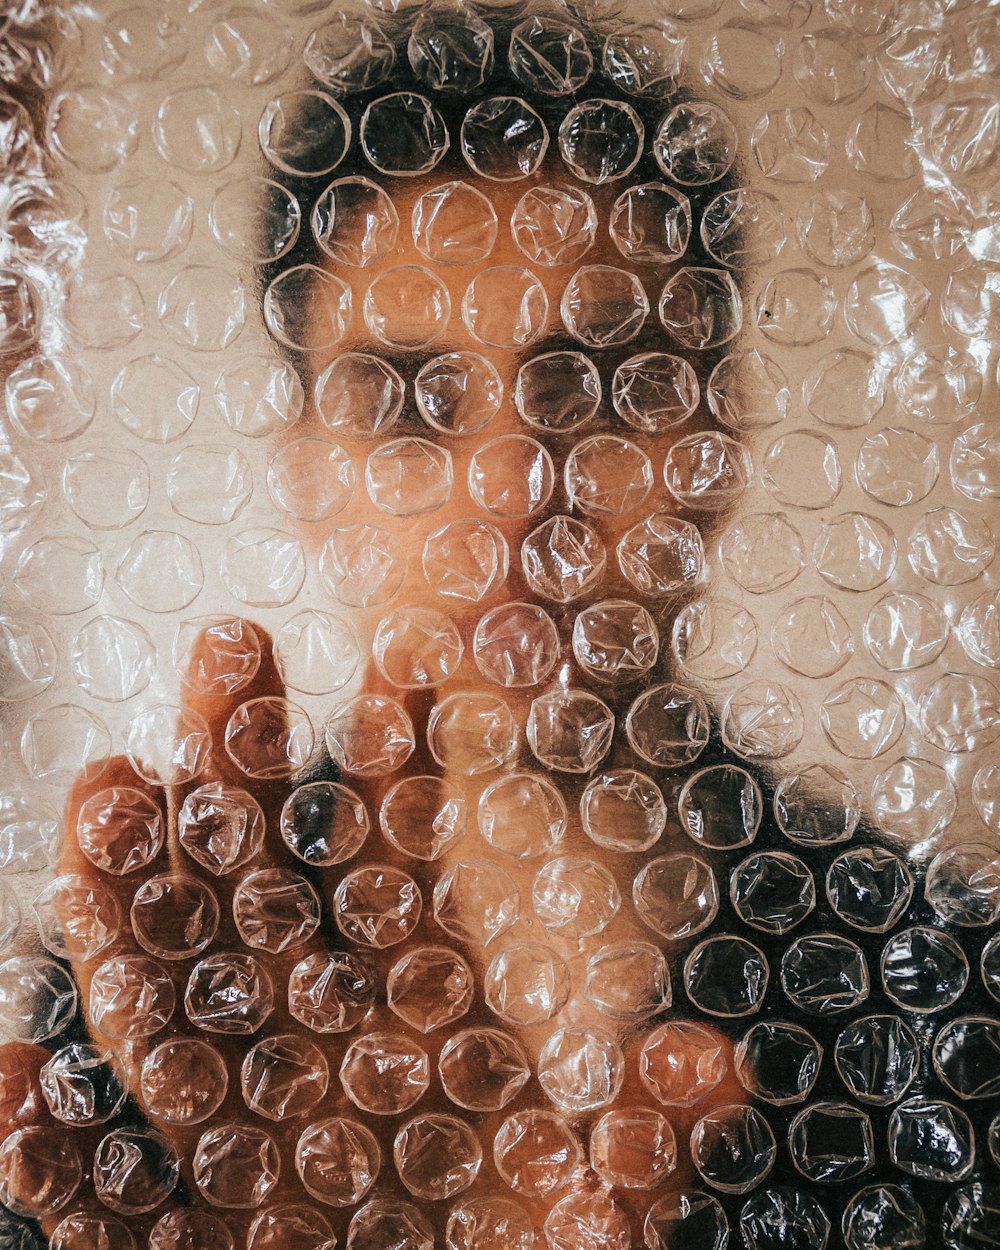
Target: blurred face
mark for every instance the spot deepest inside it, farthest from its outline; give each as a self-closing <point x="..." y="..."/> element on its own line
<point x="342" y="988"/>
<point x="507" y="380"/>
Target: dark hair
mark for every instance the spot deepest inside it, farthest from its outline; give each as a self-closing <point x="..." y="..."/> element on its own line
<point x="604" y="82"/>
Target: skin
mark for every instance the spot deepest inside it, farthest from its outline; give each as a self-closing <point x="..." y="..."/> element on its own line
<point x="20" y="1100"/>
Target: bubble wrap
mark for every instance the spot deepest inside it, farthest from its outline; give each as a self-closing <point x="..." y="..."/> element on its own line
<point x="499" y="625"/>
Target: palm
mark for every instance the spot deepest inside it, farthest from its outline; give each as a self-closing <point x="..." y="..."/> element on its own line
<point x="247" y="955"/>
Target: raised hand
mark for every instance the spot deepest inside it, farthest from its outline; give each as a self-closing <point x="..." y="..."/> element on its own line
<point x="259" y="1066"/>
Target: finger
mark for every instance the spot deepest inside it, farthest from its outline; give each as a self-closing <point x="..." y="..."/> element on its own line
<point x="134" y="994"/>
<point x="229" y="816"/>
<point x="230" y="664"/>
<point x="372" y="781"/>
<point x="200" y="1025"/>
<point x="45" y="1160"/>
<point x="115" y="839"/>
<point x="115" y="824"/>
<point x="21" y="1102"/>
<point x="253" y="730"/>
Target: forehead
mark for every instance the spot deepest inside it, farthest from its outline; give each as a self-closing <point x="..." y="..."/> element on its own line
<point x="548" y="166"/>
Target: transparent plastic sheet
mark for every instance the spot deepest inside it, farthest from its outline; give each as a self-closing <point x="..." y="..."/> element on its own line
<point x="499" y="626"/>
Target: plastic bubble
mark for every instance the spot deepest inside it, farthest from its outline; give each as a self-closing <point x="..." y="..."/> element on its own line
<point x="403" y="134"/>
<point x="526" y="984"/>
<point x="50" y="399"/>
<point x="183" y="1081"/>
<point x="645" y="60"/>
<point x="172" y="1230"/>
<point x="275" y="910"/>
<point x="430" y="988"/>
<point x="923" y="969"/>
<point x="475" y="901"/>
<point x="370" y="735"/>
<point x="489" y="1224"/>
<point x="437" y="1156"/>
<point x="258" y="396"/>
<point x="870" y="888"/>
<point x="743" y="60"/>
<point x="82" y="1085"/>
<point x="881" y="1216"/>
<point x="247" y="47"/>
<point x="40" y="1171"/>
<point x="331" y="993"/>
<point x="483" y="1069"/>
<point x="355" y="222"/>
<point x="733" y="1148"/>
<point x="235" y="1166"/>
<point x="308" y="309"/>
<point x="384" y="1074"/>
<point x="77" y="918"/>
<point x="349" y="53"/>
<point x="37" y="998"/>
<point x="383" y="1221"/>
<point x="932" y="1140"/>
<point x="554" y="225"/>
<point x="506" y="307"/>
<point x="623" y="810"/>
<point x="783" y="1212"/>
<point x="134" y="1171"/>
<point x="695" y="144"/>
<point x="284" y="1076"/>
<point x="511" y="476"/>
<point x="581" y="1218"/>
<point x="465" y="560"/>
<point x="681" y="1063"/>
<point x="409" y="476"/>
<point x="778" y="1062"/>
<point x="701" y="308"/>
<point x="459" y="393"/>
<point x="78" y="1230"/>
<point x="536" y="1152"/>
<point x="304" y="132"/>
<point x="962" y="1056"/>
<point x="570" y="731"/>
<point x="745" y="226"/>
<point x="131" y="997"/>
<point x="562" y="559"/>
<point x="772" y="891"/>
<point x="275" y="1224"/>
<point x="503" y="139"/>
<point x="654" y="392"/>
<point x="668" y="725"/>
<point x="628" y="981"/>
<point x="416" y="647"/>
<point x="324" y="823"/>
<point x="676" y="895"/>
<point x="877" y="1058"/>
<point x="377" y="906"/>
<point x="690" y="1214"/>
<point x="229" y="993"/>
<point x="137" y="45"/>
<point x="810" y="1136"/>
<point x="824" y="973"/>
<point x="197" y="130"/>
<point x="96" y="131"/>
<point x="362" y="565"/>
<point x="726" y="976"/>
<point x="454" y="224"/>
<point x="550" y="56"/>
<point x="423" y="816"/>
